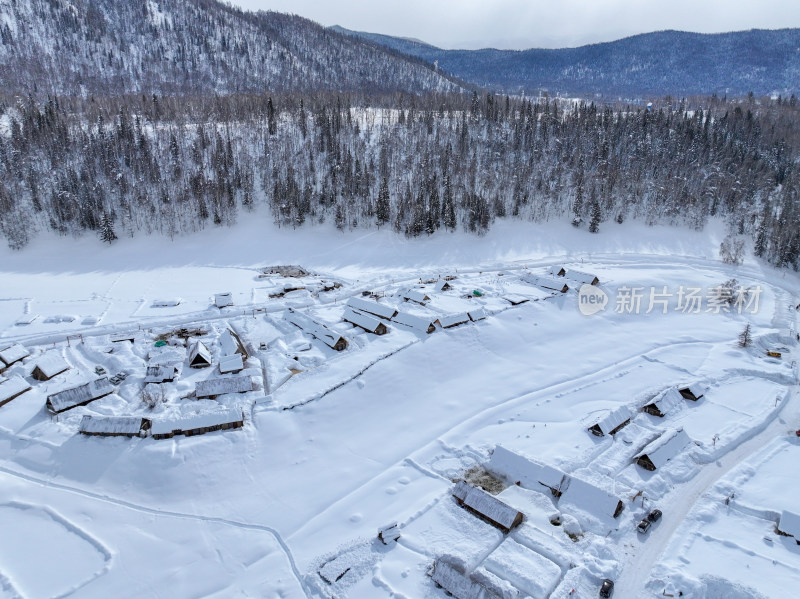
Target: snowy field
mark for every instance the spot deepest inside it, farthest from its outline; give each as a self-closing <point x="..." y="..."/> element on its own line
<point x="332" y="432"/>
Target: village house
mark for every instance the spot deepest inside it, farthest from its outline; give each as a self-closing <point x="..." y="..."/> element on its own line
<point x="48" y="366"/>
<point x="79" y="396"/>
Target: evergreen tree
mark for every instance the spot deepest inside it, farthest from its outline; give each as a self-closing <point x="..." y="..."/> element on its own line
<point x="382" y="210"/>
<point x="594" y="223"/>
<point x="745" y="338"/>
<point x="107" y="232"/>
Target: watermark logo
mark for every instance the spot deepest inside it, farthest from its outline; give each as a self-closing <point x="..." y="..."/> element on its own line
<point x="591" y="300"/>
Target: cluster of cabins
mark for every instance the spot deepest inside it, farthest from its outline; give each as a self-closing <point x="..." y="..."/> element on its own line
<point x="670" y="443"/>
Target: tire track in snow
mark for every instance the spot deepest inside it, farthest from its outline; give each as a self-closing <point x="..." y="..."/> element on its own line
<point x="167" y="513"/>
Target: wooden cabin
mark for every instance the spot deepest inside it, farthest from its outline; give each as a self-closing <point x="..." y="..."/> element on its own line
<point x="487" y="507"/>
<point x="48" y="366"/>
<point x="12" y="354"/>
<point x="548" y="283"/>
<point x="212" y="388"/>
<point x="197" y="424"/>
<point x="419" y="323"/>
<point x="114" y="426"/>
<point x="691" y="392"/>
<point x="79" y="396"/>
<point x="415" y="295"/>
<point x="613" y="422"/>
<point x="365" y="321"/>
<point x="199" y="356"/>
<point x="316" y="329"/>
<point x="664" y="403"/>
<point x="223" y="300"/>
<point x="231" y="364"/>
<point x="12" y="388"/>
<point x="453" y="320"/>
<point x="161" y="374"/>
<point x="663" y="449"/>
<point x="375" y="308"/>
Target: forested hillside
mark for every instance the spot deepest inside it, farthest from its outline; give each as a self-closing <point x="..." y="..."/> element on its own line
<point x="201" y="47"/>
<point x="170" y="166"/>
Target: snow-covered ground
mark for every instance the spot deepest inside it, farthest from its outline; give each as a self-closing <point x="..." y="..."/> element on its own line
<point x="336" y="444"/>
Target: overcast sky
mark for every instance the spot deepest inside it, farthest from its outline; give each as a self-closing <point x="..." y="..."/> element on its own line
<point x="536" y="23"/>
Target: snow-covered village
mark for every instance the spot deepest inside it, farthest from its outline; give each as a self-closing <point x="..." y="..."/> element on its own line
<point x="300" y="300"/>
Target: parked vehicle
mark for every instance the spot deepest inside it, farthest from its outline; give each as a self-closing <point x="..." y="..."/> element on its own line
<point x="607" y="589"/>
<point x="644" y="526"/>
<point x="654" y="516"/>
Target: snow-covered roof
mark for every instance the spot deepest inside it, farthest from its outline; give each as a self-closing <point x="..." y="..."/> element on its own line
<point x="12" y="354"/>
<point x="556" y="271"/>
<point x="199" y="354"/>
<point x="191" y="422"/>
<point x="548" y="282"/>
<point x="316" y="329"/>
<point x="420" y="323"/>
<point x="111" y="425"/>
<point x="583" y="278"/>
<point x="51" y="364"/>
<point x="476" y="314"/>
<point x="71" y="398"/>
<point x="666" y="447"/>
<point x="221" y="300"/>
<point x="230" y="343"/>
<point x="415" y="295"/>
<point x="375" y="308"/>
<point x="790" y="524"/>
<point x="694" y="390"/>
<point x="441" y="285"/>
<point x="459" y="585"/>
<point x="365" y="321"/>
<point x="167" y="302"/>
<point x="515" y="299"/>
<point x="487" y="505"/>
<point x="11" y="388"/>
<point x="667" y="401"/>
<point x="590" y="499"/>
<point x="160" y="374"/>
<point x="452" y="320"/>
<point x="527" y="471"/>
<point x="232" y="363"/>
<point x="613" y="420"/>
<point x="214" y="387"/>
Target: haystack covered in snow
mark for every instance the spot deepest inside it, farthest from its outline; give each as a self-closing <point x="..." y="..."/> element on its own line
<point x="12" y="354"/>
<point x="789" y="524"/>
<point x="114" y="426"/>
<point x="12" y="388"/>
<point x="664" y="403"/>
<point x="214" y="387"/>
<point x="548" y="283"/>
<point x="453" y="320"/>
<point x="161" y="374"/>
<point x="487" y="506"/>
<point x="197" y="424"/>
<point x="199" y="355"/>
<point x="48" y="366"/>
<point x="316" y="329"/>
<point x="611" y="422"/>
<point x="663" y="449"/>
<point x="371" y="307"/>
<point x="79" y="396"/>
<point x="365" y="321"/>
<point x="692" y="392"/>
<point x="419" y="323"/>
<point x="590" y="499"/>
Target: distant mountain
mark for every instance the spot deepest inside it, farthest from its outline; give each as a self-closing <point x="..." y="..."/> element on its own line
<point x="666" y="62"/>
<point x="109" y="47"/>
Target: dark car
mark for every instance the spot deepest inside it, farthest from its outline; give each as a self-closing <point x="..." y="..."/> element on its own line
<point x="654" y="516"/>
<point x="644" y="526"/>
<point x="607" y="589"/>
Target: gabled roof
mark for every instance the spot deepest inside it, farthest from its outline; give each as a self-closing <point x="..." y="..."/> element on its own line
<point x="13" y="353"/>
<point x="476" y="314"/>
<point x="556" y="271"/>
<point x="199" y="355"/>
<point x="214" y="387"/>
<point x="582" y="278"/>
<point x="613" y="420"/>
<point x="330" y="338"/>
<point x="790" y="524"/>
<point x="112" y="425"/>
<point x="415" y="295"/>
<point x="666" y="447"/>
<point x="488" y="506"/>
<point x="693" y="391"/>
<point x="160" y="374"/>
<point x="375" y="308"/>
<point x="590" y="498"/>
<point x="550" y="283"/>
<point x="230" y="344"/>
<point x="222" y="300"/>
<point x="452" y="320"/>
<point x="78" y="396"/>
<point x="458" y="584"/>
<point x="515" y="299"/>
<point x="667" y="401"/>
<point x="233" y="363"/>
<point x="363" y="320"/>
<point x="526" y="471"/>
<point x="51" y="364"/>
<point x="419" y="323"/>
<point x="191" y="422"/>
<point x="441" y="285"/>
<point x="13" y="387"/>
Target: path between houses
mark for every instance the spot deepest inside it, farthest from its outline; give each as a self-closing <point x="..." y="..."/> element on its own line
<point x="648" y="548"/>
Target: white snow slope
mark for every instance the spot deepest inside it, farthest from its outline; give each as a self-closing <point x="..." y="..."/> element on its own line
<point x="337" y="444"/>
